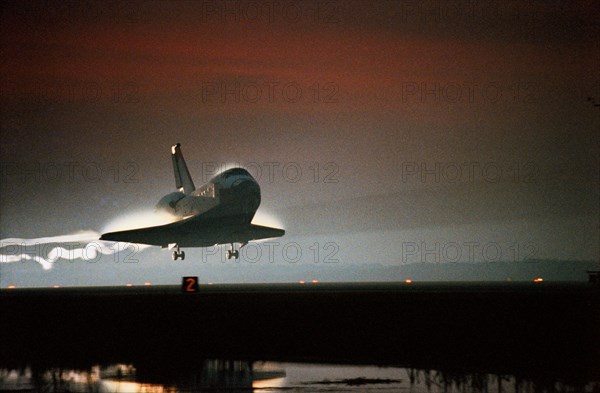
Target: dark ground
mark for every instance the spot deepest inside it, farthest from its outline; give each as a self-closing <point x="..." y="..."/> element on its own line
<point x="531" y="329"/>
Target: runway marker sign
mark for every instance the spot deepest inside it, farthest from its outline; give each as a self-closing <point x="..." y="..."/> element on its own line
<point x="189" y="284"/>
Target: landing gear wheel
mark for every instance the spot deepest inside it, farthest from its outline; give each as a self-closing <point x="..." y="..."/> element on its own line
<point x="178" y="254"/>
<point x="235" y="254"/>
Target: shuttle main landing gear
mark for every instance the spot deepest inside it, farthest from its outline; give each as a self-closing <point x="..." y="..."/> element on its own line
<point x="233" y="253"/>
<point x="178" y="254"/>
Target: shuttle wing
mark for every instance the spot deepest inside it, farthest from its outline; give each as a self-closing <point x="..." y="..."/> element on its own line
<point x="195" y="232"/>
<point x="256" y="232"/>
<point x="160" y="235"/>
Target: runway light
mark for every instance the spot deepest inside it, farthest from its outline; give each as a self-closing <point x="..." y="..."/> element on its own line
<point x="128" y="285"/>
<point x="302" y="282"/>
<point x="539" y="279"/>
<point x="210" y="283"/>
<point x="147" y="284"/>
<point x="55" y="286"/>
<point x="11" y="287"/>
<point x="315" y="281"/>
<point x="408" y="281"/>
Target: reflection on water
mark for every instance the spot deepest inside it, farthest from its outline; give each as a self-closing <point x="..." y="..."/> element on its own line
<point x="242" y="376"/>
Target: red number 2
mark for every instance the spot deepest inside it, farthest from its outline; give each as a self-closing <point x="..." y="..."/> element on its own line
<point x="191" y="284"/>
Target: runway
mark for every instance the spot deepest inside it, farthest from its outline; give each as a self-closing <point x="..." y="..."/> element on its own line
<point x="527" y="328"/>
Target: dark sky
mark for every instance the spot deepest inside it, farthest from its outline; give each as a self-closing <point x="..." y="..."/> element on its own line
<point x="377" y="131"/>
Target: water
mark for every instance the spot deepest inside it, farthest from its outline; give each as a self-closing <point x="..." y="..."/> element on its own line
<point x="242" y="376"/>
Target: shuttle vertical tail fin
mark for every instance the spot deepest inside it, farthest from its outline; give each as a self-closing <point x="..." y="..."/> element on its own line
<point x="183" y="180"/>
